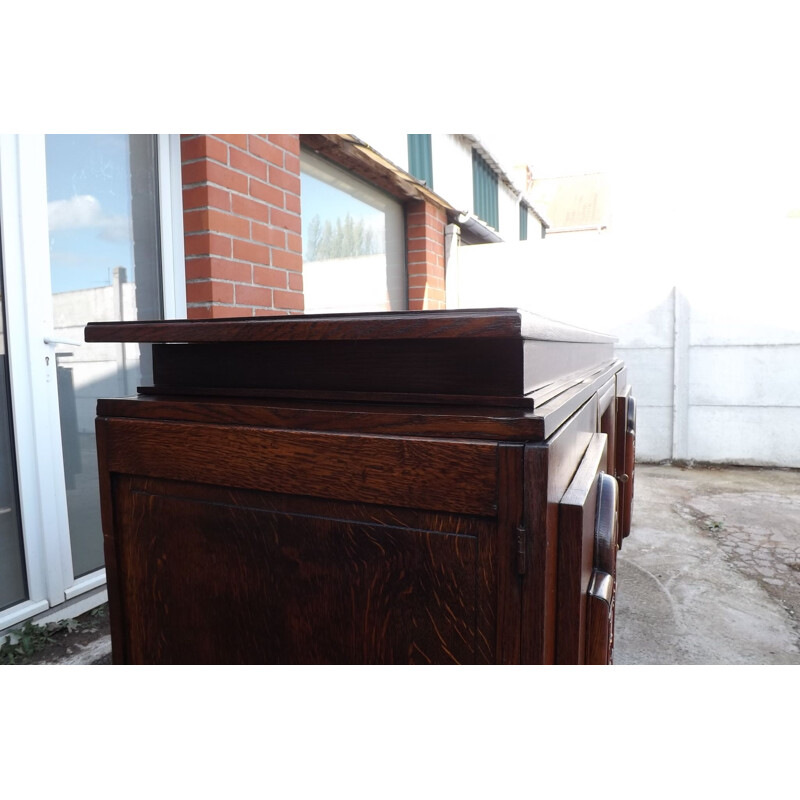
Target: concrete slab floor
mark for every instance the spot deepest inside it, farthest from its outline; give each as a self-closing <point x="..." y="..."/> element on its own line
<point x="711" y="571"/>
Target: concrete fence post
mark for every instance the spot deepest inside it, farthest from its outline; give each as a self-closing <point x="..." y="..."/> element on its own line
<point x="680" y="376"/>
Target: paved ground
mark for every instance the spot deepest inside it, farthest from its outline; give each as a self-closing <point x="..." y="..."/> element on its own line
<point x="711" y="571"/>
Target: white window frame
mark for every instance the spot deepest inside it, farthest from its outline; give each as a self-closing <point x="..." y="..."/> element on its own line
<point x="26" y="266"/>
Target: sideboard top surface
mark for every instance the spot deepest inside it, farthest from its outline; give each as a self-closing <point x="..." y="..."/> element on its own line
<point x="483" y="357"/>
<point x="492" y="323"/>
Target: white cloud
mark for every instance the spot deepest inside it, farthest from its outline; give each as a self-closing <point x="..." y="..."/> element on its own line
<point x="85" y="211"/>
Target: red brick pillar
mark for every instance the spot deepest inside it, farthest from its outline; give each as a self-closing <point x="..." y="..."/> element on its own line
<point x="241" y="218"/>
<point x="426" y="269"/>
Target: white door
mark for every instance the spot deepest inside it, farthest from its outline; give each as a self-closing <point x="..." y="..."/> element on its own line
<point x="91" y="230"/>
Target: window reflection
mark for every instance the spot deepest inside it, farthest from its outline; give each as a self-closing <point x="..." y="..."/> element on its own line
<point x="105" y="266"/>
<point x="353" y="242"/>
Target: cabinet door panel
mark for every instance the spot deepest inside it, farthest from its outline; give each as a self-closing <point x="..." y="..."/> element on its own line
<point x="549" y="469"/>
<point x="204" y="581"/>
<point x="577" y="514"/>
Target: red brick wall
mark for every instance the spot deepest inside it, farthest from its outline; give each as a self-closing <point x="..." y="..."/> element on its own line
<point x="425" y="225"/>
<point x="241" y="216"/>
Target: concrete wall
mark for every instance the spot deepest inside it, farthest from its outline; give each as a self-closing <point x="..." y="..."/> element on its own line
<point x="715" y="379"/>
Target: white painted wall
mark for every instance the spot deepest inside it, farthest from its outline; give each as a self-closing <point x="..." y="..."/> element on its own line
<point x="716" y="380"/>
<point x="452" y="169"/>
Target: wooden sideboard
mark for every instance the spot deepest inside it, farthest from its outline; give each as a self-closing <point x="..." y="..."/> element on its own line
<point x="414" y="487"/>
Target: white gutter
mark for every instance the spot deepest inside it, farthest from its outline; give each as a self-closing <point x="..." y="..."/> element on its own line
<point x="476" y="226"/>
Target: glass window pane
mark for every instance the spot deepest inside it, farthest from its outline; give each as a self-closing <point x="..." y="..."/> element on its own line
<point x="353" y="242"/>
<point x="13" y="579"/>
<point x="105" y="265"/>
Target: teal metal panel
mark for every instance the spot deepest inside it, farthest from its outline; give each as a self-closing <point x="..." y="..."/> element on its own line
<point x="420" y="160"/>
<point x="484" y="190"/>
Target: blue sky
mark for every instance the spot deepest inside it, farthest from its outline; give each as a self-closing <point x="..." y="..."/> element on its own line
<point x="88" y="193"/>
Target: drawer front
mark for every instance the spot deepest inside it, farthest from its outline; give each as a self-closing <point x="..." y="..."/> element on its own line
<point x="587" y="541"/>
<point x="431" y="474"/>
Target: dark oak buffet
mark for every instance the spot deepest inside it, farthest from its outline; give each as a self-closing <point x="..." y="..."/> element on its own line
<point x="414" y="487"/>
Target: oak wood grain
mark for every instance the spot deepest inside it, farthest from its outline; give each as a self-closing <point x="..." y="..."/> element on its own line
<point x="205" y="581"/>
<point x="443" y="475"/>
